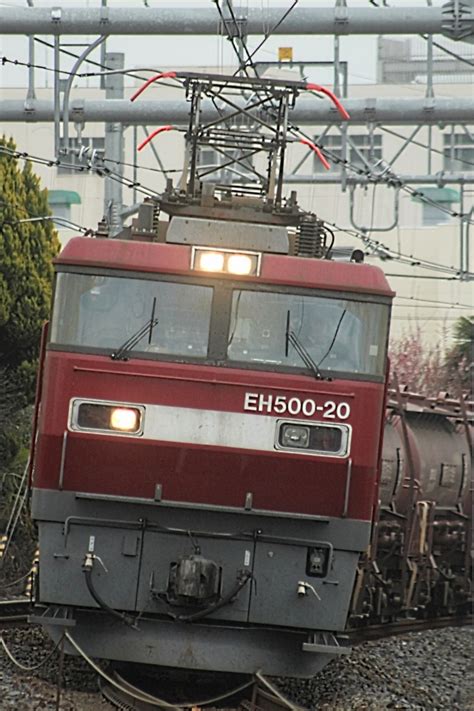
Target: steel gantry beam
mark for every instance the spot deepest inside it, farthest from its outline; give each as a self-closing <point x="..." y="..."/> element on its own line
<point x="454" y="19"/>
<point x="307" y="111"/>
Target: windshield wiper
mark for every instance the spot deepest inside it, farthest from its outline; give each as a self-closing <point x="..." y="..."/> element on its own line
<point x="135" y="338"/>
<point x="292" y="339"/>
<point x="333" y="338"/>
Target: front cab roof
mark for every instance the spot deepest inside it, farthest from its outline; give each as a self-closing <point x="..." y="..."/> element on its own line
<point x="154" y="257"/>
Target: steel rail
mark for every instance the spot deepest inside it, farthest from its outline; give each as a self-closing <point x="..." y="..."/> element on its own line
<point x="392" y="629"/>
<point x="14" y="612"/>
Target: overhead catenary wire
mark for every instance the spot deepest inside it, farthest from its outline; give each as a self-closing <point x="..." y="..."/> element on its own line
<point x="101" y="171"/>
<point x="378" y="247"/>
<point x="455" y="305"/>
<point x="130" y="72"/>
<point x="424" y="145"/>
<point x="375" y="245"/>
<point x="422" y="307"/>
<point x="382" y="251"/>
<point x="87" y="231"/>
<point x="92" y="62"/>
<point x="230" y="37"/>
<point x="141" y="167"/>
<point x="421" y="276"/>
<point x="391" y="179"/>
<point x="54" y="218"/>
<point x="82" y="75"/>
<point x="445" y="317"/>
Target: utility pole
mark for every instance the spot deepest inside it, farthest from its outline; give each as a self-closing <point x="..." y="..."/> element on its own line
<point x="114" y="146"/>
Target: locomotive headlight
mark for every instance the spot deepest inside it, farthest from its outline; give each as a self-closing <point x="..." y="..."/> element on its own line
<point x="125" y="419"/>
<point x="240" y="264"/>
<point x="113" y="418"/>
<point x="209" y="261"/>
<point x="313" y="437"/>
<point x="294" y="436"/>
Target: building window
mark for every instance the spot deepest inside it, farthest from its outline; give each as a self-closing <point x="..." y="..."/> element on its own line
<point x="432" y="215"/>
<point x="60" y="202"/>
<point x="431" y="199"/>
<point x="362" y="145"/>
<point x="457" y="147"/>
<point x="72" y="158"/>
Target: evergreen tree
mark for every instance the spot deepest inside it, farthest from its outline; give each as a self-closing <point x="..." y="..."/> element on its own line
<point x="26" y="253"/>
<point x="459" y="360"/>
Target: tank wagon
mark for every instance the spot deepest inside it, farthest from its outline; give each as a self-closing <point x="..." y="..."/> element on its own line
<point x="419" y="561"/>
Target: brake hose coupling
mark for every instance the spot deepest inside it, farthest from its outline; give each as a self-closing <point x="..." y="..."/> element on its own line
<point x="89" y="561"/>
<point x="303" y="588"/>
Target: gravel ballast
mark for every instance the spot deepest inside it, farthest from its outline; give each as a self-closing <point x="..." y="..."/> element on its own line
<point x="421" y="670"/>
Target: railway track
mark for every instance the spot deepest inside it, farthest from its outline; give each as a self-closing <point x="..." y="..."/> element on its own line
<point x="259" y="696"/>
<point x="252" y="696"/>
<point x="14" y="613"/>
<point x="390" y="629"/>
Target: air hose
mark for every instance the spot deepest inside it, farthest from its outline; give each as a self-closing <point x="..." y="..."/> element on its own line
<point x="87" y="568"/>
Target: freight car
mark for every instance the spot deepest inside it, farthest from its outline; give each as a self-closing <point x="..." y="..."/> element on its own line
<point x="419" y="561"/>
<point x="210" y="409"/>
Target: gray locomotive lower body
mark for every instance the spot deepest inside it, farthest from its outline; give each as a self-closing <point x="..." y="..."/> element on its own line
<point x="199" y="587"/>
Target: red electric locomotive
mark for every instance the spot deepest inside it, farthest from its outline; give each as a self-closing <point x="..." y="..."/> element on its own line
<point x="209" y="435"/>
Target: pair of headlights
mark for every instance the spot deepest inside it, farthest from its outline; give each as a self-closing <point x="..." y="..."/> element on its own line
<point x="226" y="262"/>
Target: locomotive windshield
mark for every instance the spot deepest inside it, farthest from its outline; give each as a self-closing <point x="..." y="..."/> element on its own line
<point x="104" y="312"/>
<point x="169" y="318"/>
<point x="335" y="334"/>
